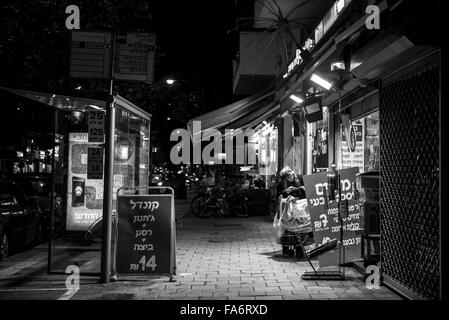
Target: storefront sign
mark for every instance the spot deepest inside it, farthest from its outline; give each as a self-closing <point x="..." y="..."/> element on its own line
<point x="297" y="61"/>
<point x="84" y="195"/>
<point x="330" y="18"/>
<point x="145" y="231"/>
<point x="353" y="149"/>
<point x="319" y="32"/>
<point x="326" y="224"/>
<point x="95" y="125"/>
<point x="134" y="56"/>
<point x="95" y="163"/>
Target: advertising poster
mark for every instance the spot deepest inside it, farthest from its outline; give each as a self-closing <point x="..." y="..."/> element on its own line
<point x="84" y="196"/>
<point x="325" y="223"/>
<point x="353" y="149"/>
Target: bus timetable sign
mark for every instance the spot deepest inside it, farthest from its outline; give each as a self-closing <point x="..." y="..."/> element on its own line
<point x="96" y="126"/>
<point x="145" y="234"/>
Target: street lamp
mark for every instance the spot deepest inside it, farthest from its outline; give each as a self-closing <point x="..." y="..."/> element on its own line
<point x="321" y="82"/>
<point x="171" y="81"/>
<point x="296" y="99"/>
<point x="313" y="109"/>
<point x="198" y="96"/>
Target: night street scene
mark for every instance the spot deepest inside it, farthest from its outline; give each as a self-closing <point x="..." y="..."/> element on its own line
<point x="222" y="150"/>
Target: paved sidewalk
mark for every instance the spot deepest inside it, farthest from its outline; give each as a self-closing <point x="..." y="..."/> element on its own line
<point x="217" y="259"/>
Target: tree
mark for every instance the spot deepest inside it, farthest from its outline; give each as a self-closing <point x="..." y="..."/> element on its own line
<point x="35" y="50"/>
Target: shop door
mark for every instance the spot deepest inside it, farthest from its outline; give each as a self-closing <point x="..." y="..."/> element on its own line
<point x="410" y="180"/>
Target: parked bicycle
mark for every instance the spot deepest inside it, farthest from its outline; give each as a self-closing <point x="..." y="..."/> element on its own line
<point x="217" y="201"/>
<point x="242" y="204"/>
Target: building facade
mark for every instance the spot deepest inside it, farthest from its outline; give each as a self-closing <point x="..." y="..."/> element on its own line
<point x="381" y="113"/>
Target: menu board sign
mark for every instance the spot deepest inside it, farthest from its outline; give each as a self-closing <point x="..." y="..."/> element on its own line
<point x="326" y="224"/>
<point x="145" y="233"/>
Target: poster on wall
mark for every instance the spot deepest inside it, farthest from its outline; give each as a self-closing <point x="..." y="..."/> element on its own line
<point x="325" y="223"/>
<point x="84" y="195"/>
<point x="353" y="149"/>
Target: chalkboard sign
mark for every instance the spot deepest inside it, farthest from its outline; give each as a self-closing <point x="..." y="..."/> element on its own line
<point x="325" y="223"/>
<point x="145" y="234"/>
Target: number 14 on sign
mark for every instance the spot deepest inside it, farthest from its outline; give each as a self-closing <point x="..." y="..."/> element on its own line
<point x="144" y="263"/>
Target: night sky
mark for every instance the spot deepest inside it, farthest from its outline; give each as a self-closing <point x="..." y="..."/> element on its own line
<point x="195" y="45"/>
<point x="192" y="39"/>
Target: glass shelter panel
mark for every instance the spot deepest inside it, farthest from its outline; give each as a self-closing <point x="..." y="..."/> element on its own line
<point x="132" y="150"/>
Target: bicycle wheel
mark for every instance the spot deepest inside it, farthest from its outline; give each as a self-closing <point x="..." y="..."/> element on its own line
<point x="243" y="205"/>
<point x="199" y="207"/>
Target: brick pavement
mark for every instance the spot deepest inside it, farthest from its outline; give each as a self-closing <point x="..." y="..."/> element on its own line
<point x="217" y="259"/>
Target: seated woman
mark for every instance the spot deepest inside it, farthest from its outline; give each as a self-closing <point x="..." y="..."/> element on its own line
<point x="293" y="218"/>
<point x="290" y="184"/>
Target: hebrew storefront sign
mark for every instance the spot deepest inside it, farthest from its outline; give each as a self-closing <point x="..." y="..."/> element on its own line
<point x="325" y="222"/>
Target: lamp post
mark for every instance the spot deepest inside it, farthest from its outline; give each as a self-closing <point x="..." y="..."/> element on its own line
<point x="312" y="106"/>
<point x="173" y="81"/>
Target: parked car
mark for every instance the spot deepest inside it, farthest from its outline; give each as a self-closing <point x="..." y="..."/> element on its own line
<point x="20" y="219"/>
<point x="37" y="187"/>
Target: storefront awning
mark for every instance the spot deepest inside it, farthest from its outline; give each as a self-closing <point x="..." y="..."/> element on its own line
<point x="255" y="118"/>
<point x="246" y="109"/>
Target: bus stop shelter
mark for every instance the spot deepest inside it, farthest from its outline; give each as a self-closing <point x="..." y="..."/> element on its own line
<point x="101" y="143"/>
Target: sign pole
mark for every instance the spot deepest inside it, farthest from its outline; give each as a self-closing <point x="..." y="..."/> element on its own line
<point x="111" y="64"/>
<point x="108" y="190"/>
<point x="109" y="174"/>
<point x="53" y="193"/>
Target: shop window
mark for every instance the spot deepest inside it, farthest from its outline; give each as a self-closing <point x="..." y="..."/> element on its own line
<point x="362" y="148"/>
<point x="320" y="147"/>
<point x="372" y="145"/>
